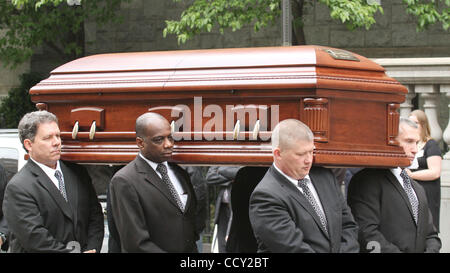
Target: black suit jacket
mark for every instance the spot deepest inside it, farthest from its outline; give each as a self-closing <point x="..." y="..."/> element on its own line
<point x="241" y="238"/>
<point x="146" y="215"/>
<point x="113" y="239"/>
<point x="284" y="221"/>
<point x="40" y="220"/>
<point x="3" y="225"/>
<point x="384" y="214"/>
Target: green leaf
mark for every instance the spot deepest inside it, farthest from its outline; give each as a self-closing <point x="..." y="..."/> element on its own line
<point x="31" y="23"/>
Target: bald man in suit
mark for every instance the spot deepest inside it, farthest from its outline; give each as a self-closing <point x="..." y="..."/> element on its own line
<point x="153" y="201"/>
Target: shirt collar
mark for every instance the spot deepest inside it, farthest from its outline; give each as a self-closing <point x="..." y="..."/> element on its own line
<point x="153" y="164"/>
<point x="49" y="171"/>
<point x="292" y="180"/>
<point x="396" y="171"/>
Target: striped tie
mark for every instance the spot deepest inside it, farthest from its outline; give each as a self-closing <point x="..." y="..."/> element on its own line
<point x="312" y="200"/>
<point x="410" y="192"/>
<point x="162" y="169"/>
<point x="62" y="187"/>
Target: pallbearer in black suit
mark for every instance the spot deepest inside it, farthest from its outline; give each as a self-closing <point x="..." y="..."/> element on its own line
<point x="3" y="225"/>
<point x="296" y="208"/>
<point x="390" y="208"/>
<point x="153" y="201"/>
<point x="50" y="205"/>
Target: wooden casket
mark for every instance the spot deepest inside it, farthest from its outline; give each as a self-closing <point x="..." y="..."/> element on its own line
<point x="223" y="104"/>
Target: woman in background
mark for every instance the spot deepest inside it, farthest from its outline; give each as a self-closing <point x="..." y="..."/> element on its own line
<point x="429" y="158"/>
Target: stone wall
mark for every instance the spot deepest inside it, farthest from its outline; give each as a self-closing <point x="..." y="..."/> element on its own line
<point x="394" y="34"/>
<point x="143" y="25"/>
<point x="9" y="78"/>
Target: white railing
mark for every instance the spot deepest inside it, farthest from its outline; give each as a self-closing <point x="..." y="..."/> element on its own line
<point x="427" y="78"/>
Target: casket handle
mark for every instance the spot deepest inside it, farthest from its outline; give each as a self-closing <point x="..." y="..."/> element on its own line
<point x="237" y="129"/>
<point x="75" y="130"/>
<point x="256" y="130"/>
<point x="172" y="127"/>
<point x="92" y="131"/>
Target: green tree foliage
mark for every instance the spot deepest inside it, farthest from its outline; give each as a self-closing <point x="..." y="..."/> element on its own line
<point x="204" y="15"/>
<point x="18" y="101"/>
<point x="27" y="24"/>
<point x="429" y="12"/>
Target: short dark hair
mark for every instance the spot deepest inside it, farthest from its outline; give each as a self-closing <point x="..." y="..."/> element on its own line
<point x="30" y="122"/>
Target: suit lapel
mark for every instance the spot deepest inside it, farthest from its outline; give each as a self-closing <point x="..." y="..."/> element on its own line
<point x="71" y="184"/>
<point x="54" y="192"/>
<point x="391" y="177"/>
<point x="153" y="178"/>
<point x="297" y="195"/>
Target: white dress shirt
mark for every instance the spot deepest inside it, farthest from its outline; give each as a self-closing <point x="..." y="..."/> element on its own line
<point x="308" y="183"/>
<point x="50" y="172"/>
<point x="173" y="178"/>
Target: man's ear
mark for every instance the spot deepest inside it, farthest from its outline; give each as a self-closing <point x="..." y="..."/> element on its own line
<point x="139" y="142"/>
<point x="277" y="153"/>
<point x="27" y="144"/>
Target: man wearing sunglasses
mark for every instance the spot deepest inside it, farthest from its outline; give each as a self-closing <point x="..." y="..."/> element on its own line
<point x="153" y="201"/>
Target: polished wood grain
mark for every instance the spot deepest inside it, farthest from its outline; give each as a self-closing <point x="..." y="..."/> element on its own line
<point x="350" y="105"/>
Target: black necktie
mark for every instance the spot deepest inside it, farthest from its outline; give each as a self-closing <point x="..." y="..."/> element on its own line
<point x="162" y="169"/>
<point x="410" y="192"/>
<point x="312" y="200"/>
<point x="62" y="187"/>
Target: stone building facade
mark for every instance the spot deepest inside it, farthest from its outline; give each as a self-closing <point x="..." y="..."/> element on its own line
<point x="393" y="36"/>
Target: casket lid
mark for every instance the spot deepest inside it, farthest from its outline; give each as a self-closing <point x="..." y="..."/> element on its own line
<point x="220" y="58"/>
<point x="219" y="69"/>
